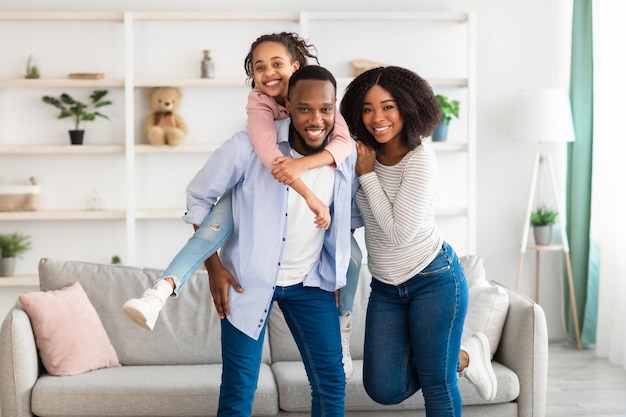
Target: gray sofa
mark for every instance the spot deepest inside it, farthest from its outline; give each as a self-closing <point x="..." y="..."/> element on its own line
<point x="175" y="369"/>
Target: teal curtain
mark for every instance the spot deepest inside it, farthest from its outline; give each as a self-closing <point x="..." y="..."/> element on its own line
<point x="584" y="253"/>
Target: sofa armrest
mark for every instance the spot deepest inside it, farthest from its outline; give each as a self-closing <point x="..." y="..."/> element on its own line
<point x="19" y="363"/>
<point x="524" y="349"/>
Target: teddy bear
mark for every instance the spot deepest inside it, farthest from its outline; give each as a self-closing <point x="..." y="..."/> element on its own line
<point x="164" y="125"/>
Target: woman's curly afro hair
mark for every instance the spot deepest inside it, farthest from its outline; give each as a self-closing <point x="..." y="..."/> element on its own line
<point x="414" y="97"/>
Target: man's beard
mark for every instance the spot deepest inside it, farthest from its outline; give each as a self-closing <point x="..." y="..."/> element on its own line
<point x="306" y="149"/>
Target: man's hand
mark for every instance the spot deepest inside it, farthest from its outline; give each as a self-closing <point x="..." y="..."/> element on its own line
<point x="287" y="170"/>
<point x="365" y="159"/>
<point x="220" y="279"/>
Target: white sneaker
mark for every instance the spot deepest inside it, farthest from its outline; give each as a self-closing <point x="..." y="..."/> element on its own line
<point x="479" y="370"/>
<point x="346" y="326"/>
<point x="144" y="311"/>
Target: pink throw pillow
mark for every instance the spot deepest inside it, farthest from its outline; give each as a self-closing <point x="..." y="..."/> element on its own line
<point x="68" y="332"/>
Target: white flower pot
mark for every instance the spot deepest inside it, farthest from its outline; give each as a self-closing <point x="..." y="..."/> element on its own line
<point x="543" y="234"/>
<point x="7" y="267"/>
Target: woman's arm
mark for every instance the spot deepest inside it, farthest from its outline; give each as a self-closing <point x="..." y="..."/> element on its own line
<point x="402" y="220"/>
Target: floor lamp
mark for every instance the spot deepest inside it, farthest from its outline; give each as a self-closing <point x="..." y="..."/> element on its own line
<point x="545" y="116"/>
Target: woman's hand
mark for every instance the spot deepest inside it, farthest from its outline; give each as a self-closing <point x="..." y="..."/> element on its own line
<point x="365" y="158"/>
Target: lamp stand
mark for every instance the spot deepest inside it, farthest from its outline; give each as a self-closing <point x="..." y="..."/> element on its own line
<point x="564" y="246"/>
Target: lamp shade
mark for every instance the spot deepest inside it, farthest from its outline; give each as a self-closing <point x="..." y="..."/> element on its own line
<point x="543" y="116"/>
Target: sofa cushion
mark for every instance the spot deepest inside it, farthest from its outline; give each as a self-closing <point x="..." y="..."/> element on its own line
<point x="295" y="392"/>
<point x="488" y="303"/>
<point x="68" y="332"/>
<point x="167" y="391"/>
<point x="186" y="333"/>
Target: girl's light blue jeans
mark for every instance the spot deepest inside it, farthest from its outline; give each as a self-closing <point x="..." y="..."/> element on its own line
<point x="314" y="324"/>
<point x="413" y="337"/>
<point x="212" y="233"/>
<point x="216" y="229"/>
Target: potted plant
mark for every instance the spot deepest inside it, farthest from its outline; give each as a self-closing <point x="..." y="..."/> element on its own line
<point x="542" y="220"/>
<point x="79" y="111"/>
<point x="31" y="70"/>
<point x="449" y="109"/>
<point x="11" y="246"/>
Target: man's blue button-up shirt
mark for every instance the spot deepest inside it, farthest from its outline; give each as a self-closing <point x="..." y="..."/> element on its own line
<point x="254" y="252"/>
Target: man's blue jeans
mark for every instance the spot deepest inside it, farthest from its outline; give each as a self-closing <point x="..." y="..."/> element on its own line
<point x="413" y="337"/>
<point x="312" y="318"/>
<point x="216" y="229"/>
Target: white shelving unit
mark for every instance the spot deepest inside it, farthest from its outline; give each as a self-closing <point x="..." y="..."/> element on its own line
<point x="130" y="41"/>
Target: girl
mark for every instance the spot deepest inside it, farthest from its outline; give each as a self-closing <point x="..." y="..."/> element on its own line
<point x="271" y="61"/>
<point x="419" y="295"/>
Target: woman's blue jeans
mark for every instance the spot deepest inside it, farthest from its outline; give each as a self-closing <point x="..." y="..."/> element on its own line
<point x="413" y="337"/>
<point x="312" y="318"/>
<point x="216" y="229"/>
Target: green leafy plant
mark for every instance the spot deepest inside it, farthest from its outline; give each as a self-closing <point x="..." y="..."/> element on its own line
<point x="31" y="70"/>
<point x="13" y="245"/>
<point x="116" y="260"/>
<point x="78" y="110"/>
<point x="449" y="108"/>
<point x="543" y="216"/>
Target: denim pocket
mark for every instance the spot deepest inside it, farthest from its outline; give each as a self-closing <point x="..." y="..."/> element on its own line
<point x="440" y="264"/>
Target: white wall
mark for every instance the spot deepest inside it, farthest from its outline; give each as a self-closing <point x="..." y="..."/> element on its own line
<point x="520" y="45"/>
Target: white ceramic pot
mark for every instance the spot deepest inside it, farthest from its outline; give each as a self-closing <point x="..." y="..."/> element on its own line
<point x="7" y="267"/>
<point x="543" y="234"/>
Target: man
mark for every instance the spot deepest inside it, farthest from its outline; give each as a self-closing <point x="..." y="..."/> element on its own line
<point x="277" y="253"/>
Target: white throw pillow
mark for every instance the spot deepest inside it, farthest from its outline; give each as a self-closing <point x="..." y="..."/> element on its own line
<point x="488" y="303"/>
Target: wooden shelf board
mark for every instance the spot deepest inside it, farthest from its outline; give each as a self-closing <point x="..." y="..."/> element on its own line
<point x="60" y="82"/>
<point x="160" y="214"/>
<point x="80" y="16"/>
<point x="185" y="148"/>
<point x="20" y="281"/>
<point x="190" y="82"/>
<point x="61" y="149"/>
<point x="378" y="16"/>
<point x="293" y="16"/>
<point x="63" y="215"/>
<point x="545" y="247"/>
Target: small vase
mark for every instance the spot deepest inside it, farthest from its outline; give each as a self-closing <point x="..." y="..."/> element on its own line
<point x="543" y="234"/>
<point x="76" y="137"/>
<point x="7" y="267"/>
<point x="440" y="133"/>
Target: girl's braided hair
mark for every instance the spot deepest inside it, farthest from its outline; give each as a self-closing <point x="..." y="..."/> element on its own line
<point x="415" y="99"/>
<point x="295" y="45"/>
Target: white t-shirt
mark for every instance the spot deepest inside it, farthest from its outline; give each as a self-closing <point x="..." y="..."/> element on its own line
<point x="304" y="239"/>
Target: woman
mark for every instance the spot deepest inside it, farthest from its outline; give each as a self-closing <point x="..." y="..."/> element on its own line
<point x="419" y="294"/>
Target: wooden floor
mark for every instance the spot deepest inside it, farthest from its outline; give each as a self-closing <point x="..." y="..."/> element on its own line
<point x="581" y="384"/>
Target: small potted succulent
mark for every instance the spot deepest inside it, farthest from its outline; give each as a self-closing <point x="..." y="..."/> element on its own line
<point x="79" y="111"/>
<point x="449" y="109"/>
<point x="31" y="70"/>
<point x="12" y="246"/>
<point x="542" y="221"/>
